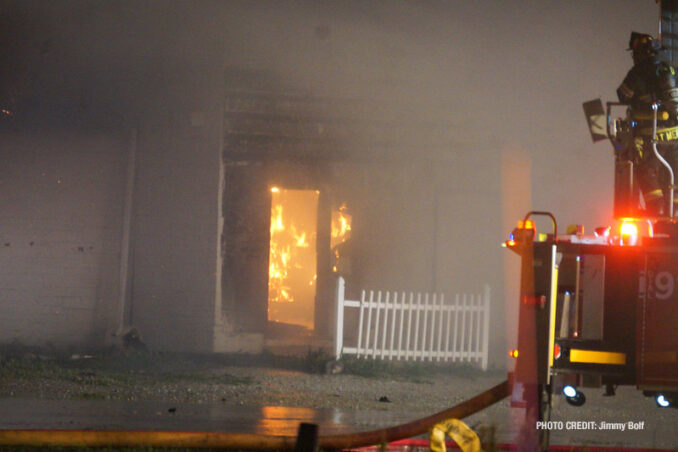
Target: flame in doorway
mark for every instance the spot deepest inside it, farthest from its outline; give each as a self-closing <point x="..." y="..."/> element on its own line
<point x="279" y="258"/>
<point x="292" y="256"/>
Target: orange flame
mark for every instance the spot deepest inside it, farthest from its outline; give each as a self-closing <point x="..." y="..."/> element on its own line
<point x="299" y="239"/>
<point x="341" y="231"/>
<point x="292" y="256"/>
<point x="279" y="256"/>
<point x="286" y="239"/>
<point x="341" y="226"/>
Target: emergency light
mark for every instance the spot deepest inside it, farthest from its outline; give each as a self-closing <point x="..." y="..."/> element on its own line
<point x="629" y="232"/>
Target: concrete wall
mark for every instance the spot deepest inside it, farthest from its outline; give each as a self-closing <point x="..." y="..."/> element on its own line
<point x="60" y="226"/>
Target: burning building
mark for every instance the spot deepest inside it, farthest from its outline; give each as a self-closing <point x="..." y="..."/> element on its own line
<point x="205" y="172"/>
<point x="315" y="187"/>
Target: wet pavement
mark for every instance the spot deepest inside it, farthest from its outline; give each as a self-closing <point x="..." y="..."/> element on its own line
<point x="17" y="413"/>
<point x="658" y="429"/>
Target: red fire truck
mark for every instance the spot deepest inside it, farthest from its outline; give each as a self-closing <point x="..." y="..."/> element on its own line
<point x="599" y="310"/>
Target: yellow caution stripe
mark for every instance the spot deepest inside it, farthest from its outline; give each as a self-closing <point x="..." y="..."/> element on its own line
<point x="596" y="357"/>
<point x="667" y="134"/>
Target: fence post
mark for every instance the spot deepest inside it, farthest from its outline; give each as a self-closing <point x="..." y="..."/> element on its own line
<point x="486" y="325"/>
<point x="339" y="318"/>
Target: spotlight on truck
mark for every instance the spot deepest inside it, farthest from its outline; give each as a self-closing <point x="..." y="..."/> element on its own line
<point x="662" y="401"/>
<point x="573" y="396"/>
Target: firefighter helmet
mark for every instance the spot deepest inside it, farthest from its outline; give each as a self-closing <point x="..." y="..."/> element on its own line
<point x="643" y="46"/>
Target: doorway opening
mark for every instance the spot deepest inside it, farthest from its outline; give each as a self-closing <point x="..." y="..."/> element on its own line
<point x="292" y="270"/>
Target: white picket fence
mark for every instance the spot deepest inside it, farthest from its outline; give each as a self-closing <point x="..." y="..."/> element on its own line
<point x="416" y="326"/>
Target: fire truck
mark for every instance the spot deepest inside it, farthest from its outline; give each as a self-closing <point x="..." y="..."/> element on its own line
<point x="601" y="310"/>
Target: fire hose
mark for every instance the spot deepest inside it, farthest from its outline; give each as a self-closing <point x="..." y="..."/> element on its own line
<point x="117" y="438"/>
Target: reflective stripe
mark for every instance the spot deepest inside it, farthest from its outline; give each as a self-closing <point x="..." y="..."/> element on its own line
<point x="626" y="90"/>
<point x="667" y="134"/>
<point x="597" y="357"/>
<point x="552" y="308"/>
<point x="673" y="92"/>
<point x="654" y="194"/>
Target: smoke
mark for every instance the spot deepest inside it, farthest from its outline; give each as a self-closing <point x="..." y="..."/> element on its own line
<point x="429" y="93"/>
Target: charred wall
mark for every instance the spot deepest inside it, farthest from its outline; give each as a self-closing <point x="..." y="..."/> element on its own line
<point x="272" y="137"/>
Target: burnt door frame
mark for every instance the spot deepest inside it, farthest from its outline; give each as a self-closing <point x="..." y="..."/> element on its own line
<point x="245" y="240"/>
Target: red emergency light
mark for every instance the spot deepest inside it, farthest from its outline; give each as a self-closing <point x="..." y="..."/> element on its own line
<point x="628" y="232"/>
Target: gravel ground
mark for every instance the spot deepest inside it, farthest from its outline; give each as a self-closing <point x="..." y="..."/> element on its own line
<point x="395" y="394"/>
<point x="191" y="381"/>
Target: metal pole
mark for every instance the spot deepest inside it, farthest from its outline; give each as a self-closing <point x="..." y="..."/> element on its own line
<point x="655" y="107"/>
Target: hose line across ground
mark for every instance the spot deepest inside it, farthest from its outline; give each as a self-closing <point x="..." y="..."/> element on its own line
<point x="245" y="441"/>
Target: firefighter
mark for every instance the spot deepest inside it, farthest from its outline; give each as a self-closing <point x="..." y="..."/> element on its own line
<point x="651" y="80"/>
